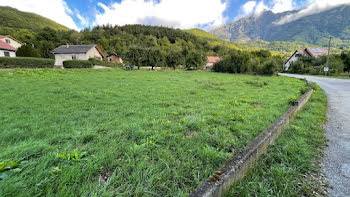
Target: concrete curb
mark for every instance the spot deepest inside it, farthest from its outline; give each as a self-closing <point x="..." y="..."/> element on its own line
<point x="236" y="168"/>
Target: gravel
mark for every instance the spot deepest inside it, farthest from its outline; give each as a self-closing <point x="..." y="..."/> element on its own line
<point x="337" y="159"/>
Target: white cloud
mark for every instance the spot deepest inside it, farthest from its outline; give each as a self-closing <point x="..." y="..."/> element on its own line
<point x="315" y="6"/>
<point x="260" y="7"/>
<point x="56" y="10"/>
<point x="248" y="7"/>
<point x="173" y="13"/>
<point x="83" y="21"/>
<point x="282" y="5"/>
<point x="251" y="8"/>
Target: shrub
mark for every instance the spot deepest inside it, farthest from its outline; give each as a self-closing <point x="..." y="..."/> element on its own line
<point x="235" y="62"/>
<point x="77" y="64"/>
<point x="194" y="60"/>
<point x="269" y="67"/>
<point x="26" y="62"/>
<point x="27" y="51"/>
<point x="105" y="63"/>
<point x="297" y="67"/>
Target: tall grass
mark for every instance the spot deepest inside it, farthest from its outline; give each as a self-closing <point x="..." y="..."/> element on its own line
<point x="291" y="166"/>
<point x="119" y="133"/>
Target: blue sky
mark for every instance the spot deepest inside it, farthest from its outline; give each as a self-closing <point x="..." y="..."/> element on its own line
<point x="184" y="14"/>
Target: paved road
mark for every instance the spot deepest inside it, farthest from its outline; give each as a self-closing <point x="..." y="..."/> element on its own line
<point x="337" y="159"/>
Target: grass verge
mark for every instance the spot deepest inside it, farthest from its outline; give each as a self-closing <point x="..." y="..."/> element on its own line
<point x="291" y="165"/>
<point x="128" y="133"/>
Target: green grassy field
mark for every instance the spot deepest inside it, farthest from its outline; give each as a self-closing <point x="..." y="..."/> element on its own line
<point x="291" y="166"/>
<point x="119" y="133"/>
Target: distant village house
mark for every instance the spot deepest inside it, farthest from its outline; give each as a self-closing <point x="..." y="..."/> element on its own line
<point x="8" y="46"/>
<point x="211" y="60"/>
<point x="76" y="52"/>
<point x="11" y="41"/>
<point x="308" y="52"/>
<point x="114" y="58"/>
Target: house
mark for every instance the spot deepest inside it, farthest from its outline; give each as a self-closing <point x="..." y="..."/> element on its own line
<point x="6" y="50"/>
<point x="211" y="60"/>
<point x="308" y="52"/>
<point x="78" y="52"/>
<point x="11" y="41"/>
<point x="114" y="58"/>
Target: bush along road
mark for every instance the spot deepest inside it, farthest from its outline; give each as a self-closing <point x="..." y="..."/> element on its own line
<point x="337" y="159"/>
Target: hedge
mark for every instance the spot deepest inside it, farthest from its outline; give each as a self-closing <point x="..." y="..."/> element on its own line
<point x="26" y="62"/>
<point x="77" y="64"/>
<point x="104" y="63"/>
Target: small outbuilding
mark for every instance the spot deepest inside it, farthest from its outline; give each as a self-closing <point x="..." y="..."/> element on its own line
<point x="211" y="60"/>
<point x="308" y="52"/>
<point x="76" y="52"/>
<point x="114" y="58"/>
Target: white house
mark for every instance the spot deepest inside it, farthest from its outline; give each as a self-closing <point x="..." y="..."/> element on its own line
<point x="308" y="52"/>
<point x="78" y="52"/>
<point x="11" y="41"/>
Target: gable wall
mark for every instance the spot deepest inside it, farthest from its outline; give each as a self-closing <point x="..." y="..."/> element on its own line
<point x="13" y="42"/>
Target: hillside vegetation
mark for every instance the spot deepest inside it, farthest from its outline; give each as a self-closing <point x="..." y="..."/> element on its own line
<point x="214" y="40"/>
<point x="138" y="45"/>
<point x="11" y="20"/>
<point x="285" y="48"/>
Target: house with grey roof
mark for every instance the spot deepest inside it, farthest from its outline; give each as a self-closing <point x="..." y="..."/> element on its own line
<point x="76" y="52"/>
<point x="308" y="52"/>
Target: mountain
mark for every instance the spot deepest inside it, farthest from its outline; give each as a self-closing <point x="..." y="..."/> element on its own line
<point x="276" y="47"/>
<point x="216" y="41"/>
<point x="12" y="19"/>
<point x="314" y="29"/>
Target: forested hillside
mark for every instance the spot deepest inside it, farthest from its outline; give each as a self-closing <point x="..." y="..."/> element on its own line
<point x="285" y="48"/>
<point x="138" y="45"/>
<point x="12" y="19"/>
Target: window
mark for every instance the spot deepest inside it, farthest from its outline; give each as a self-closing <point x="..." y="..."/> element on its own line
<point x="62" y="56"/>
<point x="8" y="41"/>
<point x="74" y="57"/>
<point x="7" y="54"/>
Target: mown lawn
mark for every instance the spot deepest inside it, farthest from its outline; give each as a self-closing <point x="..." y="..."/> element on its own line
<point x="120" y="133"/>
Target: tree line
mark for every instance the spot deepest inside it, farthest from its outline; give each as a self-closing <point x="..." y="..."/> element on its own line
<point x="138" y="45"/>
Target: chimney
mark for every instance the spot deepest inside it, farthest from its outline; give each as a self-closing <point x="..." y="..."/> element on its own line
<point x="67" y="46"/>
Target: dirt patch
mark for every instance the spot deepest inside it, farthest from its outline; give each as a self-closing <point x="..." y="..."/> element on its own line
<point x="104" y="176"/>
<point x="191" y="134"/>
<point x="101" y="67"/>
<point x="258" y="105"/>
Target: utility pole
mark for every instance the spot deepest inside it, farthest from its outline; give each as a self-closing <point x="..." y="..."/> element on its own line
<point x="329" y="51"/>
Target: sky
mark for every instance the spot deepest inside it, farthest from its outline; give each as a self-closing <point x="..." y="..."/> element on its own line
<point x="183" y="14"/>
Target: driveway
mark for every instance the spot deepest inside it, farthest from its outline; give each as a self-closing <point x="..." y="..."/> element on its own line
<point x="337" y="159"/>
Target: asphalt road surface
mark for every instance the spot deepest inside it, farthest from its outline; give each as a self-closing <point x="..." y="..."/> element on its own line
<point x="337" y="159"/>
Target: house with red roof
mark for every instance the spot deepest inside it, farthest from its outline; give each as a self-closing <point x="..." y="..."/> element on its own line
<point x="308" y="52"/>
<point x="211" y="60"/>
<point x="8" y="46"/>
<point x="7" y="50"/>
<point x="11" y="41"/>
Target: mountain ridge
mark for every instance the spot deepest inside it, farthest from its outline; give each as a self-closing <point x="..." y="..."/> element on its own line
<point x="314" y="29"/>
